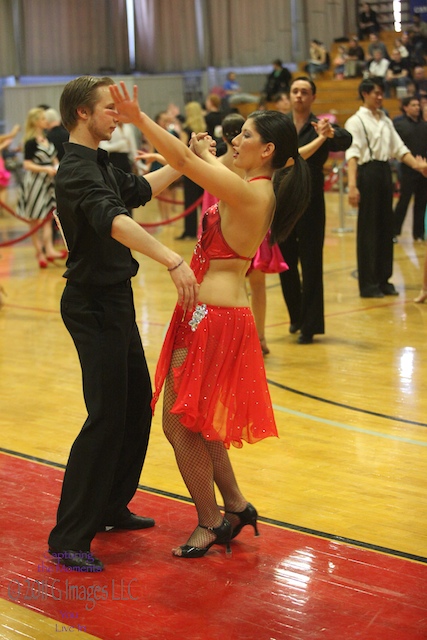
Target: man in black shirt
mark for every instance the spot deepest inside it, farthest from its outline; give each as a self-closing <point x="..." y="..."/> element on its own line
<point x="398" y="73"/>
<point x="278" y="80"/>
<point x="304" y="299"/>
<point x="97" y="307"/>
<point x="413" y="131"/>
<point x="368" y="21"/>
<point x="56" y="133"/>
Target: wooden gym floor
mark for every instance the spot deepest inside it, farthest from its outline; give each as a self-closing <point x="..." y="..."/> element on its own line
<point x="341" y="494"/>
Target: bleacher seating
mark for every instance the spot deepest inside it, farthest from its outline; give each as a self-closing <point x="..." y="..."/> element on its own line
<point x="339" y="97"/>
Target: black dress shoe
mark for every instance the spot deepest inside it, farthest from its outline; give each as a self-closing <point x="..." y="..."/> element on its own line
<point x="185" y="236"/>
<point x="130" y="522"/>
<point x="294" y="327"/>
<point x="376" y="293"/>
<point x="389" y="289"/>
<point x="305" y="338"/>
<point x="82" y="560"/>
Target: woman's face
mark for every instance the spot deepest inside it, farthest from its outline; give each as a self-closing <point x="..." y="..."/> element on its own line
<point x="248" y="147"/>
<point x="41" y="122"/>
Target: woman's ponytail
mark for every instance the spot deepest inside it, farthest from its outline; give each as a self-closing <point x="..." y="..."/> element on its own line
<point x="292" y="186"/>
<point x="293" y="190"/>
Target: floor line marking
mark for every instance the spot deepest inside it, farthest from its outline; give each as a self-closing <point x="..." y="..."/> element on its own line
<point x="348" y="427"/>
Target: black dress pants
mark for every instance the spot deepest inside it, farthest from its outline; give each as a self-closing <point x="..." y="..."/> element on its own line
<point x="192" y="192"/>
<point x="106" y="458"/>
<point x="374" y="226"/>
<point x="304" y="294"/>
<point x="412" y="183"/>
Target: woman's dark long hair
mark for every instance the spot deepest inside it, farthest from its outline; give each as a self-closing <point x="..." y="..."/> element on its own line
<point x="293" y="186"/>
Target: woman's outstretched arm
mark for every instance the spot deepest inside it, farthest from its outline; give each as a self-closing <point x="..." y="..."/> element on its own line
<point x="201" y="166"/>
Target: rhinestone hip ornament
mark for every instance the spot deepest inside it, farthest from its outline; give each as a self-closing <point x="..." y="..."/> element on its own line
<point x="198" y="314"/>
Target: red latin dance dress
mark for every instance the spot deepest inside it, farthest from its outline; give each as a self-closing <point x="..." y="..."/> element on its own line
<point x="221" y="386"/>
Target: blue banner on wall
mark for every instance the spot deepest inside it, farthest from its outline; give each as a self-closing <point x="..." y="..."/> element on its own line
<point x="419" y="7"/>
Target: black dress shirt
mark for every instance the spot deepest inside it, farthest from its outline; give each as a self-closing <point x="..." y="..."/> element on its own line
<point x="340" y="142"/>
<point x="58" y="135"/>
<point x="90" y="193"/>
<point x="413" y="134"/>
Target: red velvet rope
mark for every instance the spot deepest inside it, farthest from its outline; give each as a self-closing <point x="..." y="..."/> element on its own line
<point x="8" y="243"/>
<point x="178" y="217"/>
<point x="162" y="199"/>
<point x="50" y="214"/>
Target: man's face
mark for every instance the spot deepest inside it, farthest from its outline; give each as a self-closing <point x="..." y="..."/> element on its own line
<point x="100" y="124"/>
<point x="301" y="96"/>
<point x="412" y="110"/>
<point x="374" y="99"/>
<point x="418" y="73"/>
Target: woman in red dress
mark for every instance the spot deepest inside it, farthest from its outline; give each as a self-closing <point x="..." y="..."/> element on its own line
<point x="211" y="362"/>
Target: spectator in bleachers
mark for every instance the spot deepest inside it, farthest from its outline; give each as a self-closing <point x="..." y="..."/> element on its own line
<point x="402" y="44"/>
<point x="278" y="80"/>
<point x="378" y="66"/>
<point x="420" y="80"/>
<point x="368" y="21"/>
<point x="234" y="93"/>
<point x="418" y="35"/>
<point x="413" y="131"/>
<point x="355" y="62"/>
<point x="375" y="43"/>
<point x="231" y="86"/>
<point x="319" y="59"/>
<point x="397" y="74"/>
<point x="339" y="62"/>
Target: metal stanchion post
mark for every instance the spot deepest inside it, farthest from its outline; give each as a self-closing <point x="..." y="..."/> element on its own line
<point x="342" y="228"/>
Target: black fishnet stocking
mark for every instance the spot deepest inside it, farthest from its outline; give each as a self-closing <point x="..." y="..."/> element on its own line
<point x="201" y="464"/>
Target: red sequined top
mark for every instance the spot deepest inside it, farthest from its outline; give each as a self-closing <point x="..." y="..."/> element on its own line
<point x="211" y="245"/>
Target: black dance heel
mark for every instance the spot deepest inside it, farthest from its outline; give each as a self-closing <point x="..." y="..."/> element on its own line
<point x="223" y="536"/>
<point x="247" y="516"/>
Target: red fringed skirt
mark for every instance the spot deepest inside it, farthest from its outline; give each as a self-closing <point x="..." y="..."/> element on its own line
<point x="221" y="387"/>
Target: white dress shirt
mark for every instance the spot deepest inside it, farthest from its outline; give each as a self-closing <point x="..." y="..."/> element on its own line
<point x="122" y="141"/>
<point x="384" y="141"/>
<point x="378" y="69"/>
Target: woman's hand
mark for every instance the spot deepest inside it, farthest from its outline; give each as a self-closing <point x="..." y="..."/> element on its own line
<point x="150" y="156"/>
<point x="324" y="128"/>
<point x="186" y="285"/>
<point x="202" y="142"/>
<point x="126" y="109"/>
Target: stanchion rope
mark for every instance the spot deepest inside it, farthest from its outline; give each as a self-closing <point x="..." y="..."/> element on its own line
<point x="50" y="214"/>
<point x="8" y="243"/>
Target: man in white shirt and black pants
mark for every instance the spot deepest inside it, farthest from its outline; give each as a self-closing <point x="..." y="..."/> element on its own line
<point x="370" y="187"/>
